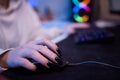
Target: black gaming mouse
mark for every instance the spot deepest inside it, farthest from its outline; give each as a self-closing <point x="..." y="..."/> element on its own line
<point x="52" y="66"/>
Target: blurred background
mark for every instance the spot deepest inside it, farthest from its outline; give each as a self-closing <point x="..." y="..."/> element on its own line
<point x="58" y="14"/>
<point x="103" y="11"/>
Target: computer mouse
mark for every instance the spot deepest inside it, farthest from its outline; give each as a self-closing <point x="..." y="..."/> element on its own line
<point x="52" y="66"/>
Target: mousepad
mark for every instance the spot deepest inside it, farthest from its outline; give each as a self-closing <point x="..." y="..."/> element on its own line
<point x="76" y="53"/>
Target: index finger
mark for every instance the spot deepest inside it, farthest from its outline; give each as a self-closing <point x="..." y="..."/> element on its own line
<point x="52" y="46"/>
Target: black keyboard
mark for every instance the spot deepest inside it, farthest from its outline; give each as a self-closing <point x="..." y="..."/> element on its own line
<point x="93" y="35"/>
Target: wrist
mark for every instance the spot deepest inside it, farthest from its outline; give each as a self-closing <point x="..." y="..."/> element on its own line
<point x="3" y="59"/>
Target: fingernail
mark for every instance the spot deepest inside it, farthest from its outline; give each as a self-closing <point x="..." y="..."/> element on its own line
<point x="50" y="64"/>
<point x="59" y="52"/>
<point x="33" y="69"/>
<point x="59" y="61"/>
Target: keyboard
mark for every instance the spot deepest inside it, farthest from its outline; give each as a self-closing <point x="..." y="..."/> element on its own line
<point x="93" y="35"/>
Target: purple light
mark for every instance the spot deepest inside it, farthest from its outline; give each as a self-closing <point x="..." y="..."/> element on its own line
<point x="82" y="5"/>
<point x="85" y="7"/>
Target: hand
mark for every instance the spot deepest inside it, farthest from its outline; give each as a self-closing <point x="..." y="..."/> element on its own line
<point x="40" y="51"/>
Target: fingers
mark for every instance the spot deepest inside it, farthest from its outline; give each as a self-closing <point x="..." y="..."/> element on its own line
<point x="38" y="57"/>
<point x="47" y="53"/>
<point x="49" y="44"/>
<point x="26" y="64"/>
<point x="43" y="52"/>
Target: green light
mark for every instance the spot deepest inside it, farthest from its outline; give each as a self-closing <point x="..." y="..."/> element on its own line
<point x="78" y="18"/>
<point x="76" y="2"/>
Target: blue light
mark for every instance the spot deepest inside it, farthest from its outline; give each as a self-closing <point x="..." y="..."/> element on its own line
<point x="76" y="9"/>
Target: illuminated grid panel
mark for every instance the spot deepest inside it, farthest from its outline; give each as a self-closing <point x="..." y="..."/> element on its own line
<point x="81" y="6"/>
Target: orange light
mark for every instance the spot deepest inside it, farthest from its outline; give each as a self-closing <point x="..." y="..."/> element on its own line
<point x="86" y="2"/>
<point x="85" y="18"/>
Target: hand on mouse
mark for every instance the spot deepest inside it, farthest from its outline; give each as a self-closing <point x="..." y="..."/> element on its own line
<point x="42" y="51"/>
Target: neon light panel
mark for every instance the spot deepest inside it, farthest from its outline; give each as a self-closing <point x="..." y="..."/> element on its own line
<point x="81" y="6"/>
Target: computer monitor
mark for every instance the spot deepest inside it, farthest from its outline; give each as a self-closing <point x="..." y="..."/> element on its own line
<point x="115" y="6"/>
<point x="109" y="10"/>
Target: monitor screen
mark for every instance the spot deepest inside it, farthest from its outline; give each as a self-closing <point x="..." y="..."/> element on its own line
<point x="115" y="6"/>
<point x="109" y="10"/>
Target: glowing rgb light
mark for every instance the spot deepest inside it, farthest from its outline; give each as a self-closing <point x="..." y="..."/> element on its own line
<point x="78" y="18"/>
<point x="78" y="6"/>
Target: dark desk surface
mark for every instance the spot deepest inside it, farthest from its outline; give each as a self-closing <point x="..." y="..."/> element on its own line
<point x="108" y="53"/>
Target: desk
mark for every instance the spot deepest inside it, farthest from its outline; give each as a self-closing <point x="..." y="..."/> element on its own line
<point x="108" y="53"/>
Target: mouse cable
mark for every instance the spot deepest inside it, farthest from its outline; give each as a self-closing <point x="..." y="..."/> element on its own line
<point x="92" y="62"/>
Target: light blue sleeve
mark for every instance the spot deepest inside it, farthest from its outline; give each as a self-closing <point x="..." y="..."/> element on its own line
<point x="2" y="51"/>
